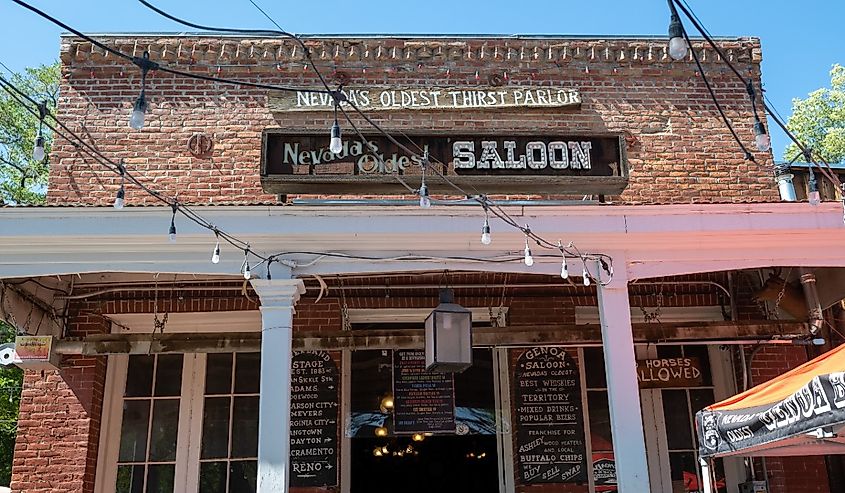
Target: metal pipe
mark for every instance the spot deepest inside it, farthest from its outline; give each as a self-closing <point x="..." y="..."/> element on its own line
<point x="684" y="283"/>
<point x="390" y="287"/>
<point x="811" y="294"/>
<point x="457" y="202"/>
<point x="732" y="290"/>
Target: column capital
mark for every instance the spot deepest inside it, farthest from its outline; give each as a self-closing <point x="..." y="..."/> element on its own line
<point x="281" y="293"/>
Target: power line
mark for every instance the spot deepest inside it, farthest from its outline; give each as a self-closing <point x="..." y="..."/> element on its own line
<point x="159" y="66"/>
<point x="826" y="169"/>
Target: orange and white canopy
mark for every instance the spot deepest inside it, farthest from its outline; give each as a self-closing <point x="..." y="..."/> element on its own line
<point x="801" y="412"/>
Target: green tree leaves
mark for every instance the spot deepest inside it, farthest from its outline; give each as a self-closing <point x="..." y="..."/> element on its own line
<point x="23" y="180"/>
<point x="819" y="120"/>
<point x="11" y="379"/>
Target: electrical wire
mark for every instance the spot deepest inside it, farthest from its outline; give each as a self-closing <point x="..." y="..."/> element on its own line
<point x="161" y="67"/>
<point x="748" y="155"/>
<point x="237" y="243"/>
<point x="193" y="216"/>
<point x="826" y="170"/>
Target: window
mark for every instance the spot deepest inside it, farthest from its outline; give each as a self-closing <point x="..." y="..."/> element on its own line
<point x="229" y="447"/>
<point x="151" y="400"/>
<point x="679" y="408"/>
<point x="181" y="423"/>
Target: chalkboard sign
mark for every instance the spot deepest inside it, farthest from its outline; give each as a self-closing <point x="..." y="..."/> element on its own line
<point x="424" y="402"/>
<point x="550" y="422"/>
<point x="313" y="420"/>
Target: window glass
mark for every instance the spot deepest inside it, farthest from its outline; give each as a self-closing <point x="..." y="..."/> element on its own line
<point x="150" y="424"/>
<point x="600" y="434"/>
<point x="594" y="368"/>
<point x="218" y="373"/>
<point x="139" y="377"/>
<point x="229" y="444"/>
<point x="676" y="413"/>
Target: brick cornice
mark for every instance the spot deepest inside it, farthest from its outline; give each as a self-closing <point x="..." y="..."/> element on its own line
<point x="388" y="50"/>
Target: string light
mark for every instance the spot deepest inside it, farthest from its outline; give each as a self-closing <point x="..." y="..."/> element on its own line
<point x="215" y="256"/>
<point x="677" y="44"/>
<point x="529" y="260"/>
<point x="814" y="197"/>
<point x="486" y="239"/>
<point x="172" y="233"/>
<point x="336" y="143"/>
<point x="142" y="62"/>
<point x="38" y="153"/>
<point x="245" y="267"/>
<point x="761" y="138"/>
<point x="121" y="193"/>
<point x="425" y="200"/>
<point x="139" y="110"/>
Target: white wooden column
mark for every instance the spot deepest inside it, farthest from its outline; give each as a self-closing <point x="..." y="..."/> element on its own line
<point x="620" y="364"/>
<point x="278" y="298"/>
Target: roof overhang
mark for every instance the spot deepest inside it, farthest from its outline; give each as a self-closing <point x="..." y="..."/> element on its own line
<point x="651" y="241"/>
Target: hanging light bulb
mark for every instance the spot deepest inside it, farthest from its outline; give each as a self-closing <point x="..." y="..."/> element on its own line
<point x="814" y="197"/>
<point x="677" y="44"/>
<point x="761" y="138"/>
<point x="121" y="193"/>
<point x="215" y="256"/>
<point x="425" y="200"/>
<point x="172" y="233"/>
<point x="119" y="199"/>
<point x="245" y="267"/>
<point x="586" y="275"/>
<point x="38" y="151"/>
<point x="529" y="260"/>
<point x="336" y="144"/>
<point x="485" y="233"/>
<point x="380" y="431"/>
<point x="139" y="111"/>
<point x="564" y="269"/>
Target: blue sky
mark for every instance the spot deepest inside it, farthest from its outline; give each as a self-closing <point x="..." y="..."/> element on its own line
<point x="801" y="39"/>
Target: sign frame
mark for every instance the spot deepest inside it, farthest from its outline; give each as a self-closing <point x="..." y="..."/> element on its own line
<point x="386" y="184"/>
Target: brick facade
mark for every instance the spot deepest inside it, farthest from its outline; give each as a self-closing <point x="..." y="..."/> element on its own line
<point x="59" y="425"/>
<point x="679" y="151"/>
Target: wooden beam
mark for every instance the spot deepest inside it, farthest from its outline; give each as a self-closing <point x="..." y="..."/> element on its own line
<point x="413" y="338"/>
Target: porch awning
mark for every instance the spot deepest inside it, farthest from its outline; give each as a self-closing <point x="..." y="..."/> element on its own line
<point x="801" y="412"/>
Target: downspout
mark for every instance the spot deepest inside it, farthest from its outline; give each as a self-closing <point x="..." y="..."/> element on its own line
<point x="811" y="295"/>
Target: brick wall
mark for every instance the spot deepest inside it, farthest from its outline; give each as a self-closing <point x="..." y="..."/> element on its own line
<point x="59" y="425"/>
<point x="679" y="151"/>
<point x="788" y="474"/>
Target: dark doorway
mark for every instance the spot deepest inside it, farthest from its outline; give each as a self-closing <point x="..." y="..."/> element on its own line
<point x="384" y="461"/>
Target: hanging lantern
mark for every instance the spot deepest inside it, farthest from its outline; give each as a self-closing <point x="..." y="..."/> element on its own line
<point x="448" y="336"/>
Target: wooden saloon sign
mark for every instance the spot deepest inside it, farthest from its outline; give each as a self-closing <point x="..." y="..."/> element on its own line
<point x="545" y="164"/>
<point x="493" y="162"/>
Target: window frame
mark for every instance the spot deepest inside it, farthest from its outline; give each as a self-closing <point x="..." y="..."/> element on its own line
<point x="186" y="468"/>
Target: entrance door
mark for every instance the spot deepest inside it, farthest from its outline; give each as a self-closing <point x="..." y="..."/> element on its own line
<point x="416" y="432"/>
